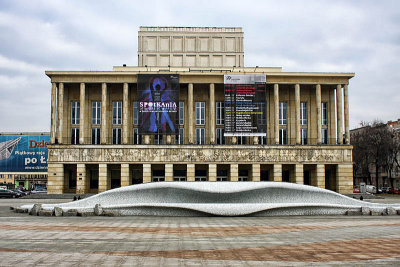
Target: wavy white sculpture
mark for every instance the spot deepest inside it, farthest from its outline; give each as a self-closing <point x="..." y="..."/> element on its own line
<point x="220" y="199"/>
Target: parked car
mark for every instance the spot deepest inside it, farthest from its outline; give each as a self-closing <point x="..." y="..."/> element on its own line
<point x="385" y="189"/>
<point x="9" y="193"/>
<point x="394" y="191"/>
<point x="20" y="191"/>
<point x="356" y="190"/>
<point x="39" y="191"/>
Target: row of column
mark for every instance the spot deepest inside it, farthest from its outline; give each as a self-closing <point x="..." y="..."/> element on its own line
<point x="58" y="111"/>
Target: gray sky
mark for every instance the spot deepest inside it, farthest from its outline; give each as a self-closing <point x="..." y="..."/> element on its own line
<point x="322" y="36"/>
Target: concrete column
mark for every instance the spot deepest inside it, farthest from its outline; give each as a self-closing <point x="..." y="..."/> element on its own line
<point x="277" y="173"/>
<point x="104" y="180"/>
<point x="82" y="118"/>
<point x="146" y="173"/>
<point x="299" y="173"/>
<point x="125" y="175"/>
<point x="60" y="135"/>
<point x="125" y="114"/>
<point x="190" y="113"/>
<point x="104" y="121"/>
<point x="190" y="172"/>
<point x="234" y="172"/>
<point x="169" y="172"/>
<point x="212" y="114"/>
<point x="55" y="179"/>
<point x="212" y="172"/>
<point x="297" y="112"/>
<point x="276" y="113"/>
<point x="255" y="140"/>
<point x="346" y="114"/>
<point x="339" y="113"/>
<point x="319" y="116"/>
<point x="255" y="172"/>
<point x="332" y="118"/>
<point x="81" y="183"/>
<point x="344" y="178"/>
<point x="53" y="113"/>
<point x="146" y="139"/>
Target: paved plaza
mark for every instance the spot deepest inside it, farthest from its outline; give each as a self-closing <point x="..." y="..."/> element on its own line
<point x="196" y="241"/>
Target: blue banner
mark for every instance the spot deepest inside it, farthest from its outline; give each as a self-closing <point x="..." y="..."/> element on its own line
<point x="23" y="153"/>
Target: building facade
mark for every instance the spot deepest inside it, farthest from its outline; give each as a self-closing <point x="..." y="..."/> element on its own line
<point x="96" y="143"/>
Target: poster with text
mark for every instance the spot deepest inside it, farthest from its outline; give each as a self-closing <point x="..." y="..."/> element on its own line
<point x="23" y="153"/>
<point x="158" y="97"/>
<point x="245" y="105"/>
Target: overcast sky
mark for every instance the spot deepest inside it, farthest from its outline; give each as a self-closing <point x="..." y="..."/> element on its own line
<point x="305" y="36"/>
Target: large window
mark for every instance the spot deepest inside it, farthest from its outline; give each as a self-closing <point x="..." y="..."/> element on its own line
<point x="241" y="140"/>
<point x="304" y="140"/>
<point x="179" y="138"/>
<point x="200" y="136"/>
<point x="181" y="113"/>
<point x="324" y="113"/>
<point x="282" y="136"/>
<point x="303" y="113"/>
<point x="200" y="113"/>
<point x="220" y="113"/>
<point x="74" y="136"/>
<point x="117" y="112"/>
<point x="220" y="136"/>
<point x="325" y="136"/>
<point x="75" y="112"/>
<point x="135" y="113"/>
<point x="116" y="136"/>
<point x="137" y="138"/>
<point x="95" y="136"/>
<point x="282" y="113"/>
<point x="158" y="139"/>
<point x="96" y="112"/>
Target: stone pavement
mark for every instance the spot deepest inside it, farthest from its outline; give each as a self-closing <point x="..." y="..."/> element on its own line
<point x="197" y="241"/>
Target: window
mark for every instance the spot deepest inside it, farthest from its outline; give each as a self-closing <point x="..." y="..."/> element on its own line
<point x="303" y="133"/>
<point x="282" y="137"/>
<point x="137" y="138"/>
<point x="74" y="136"/>
<point x="181" y="113"/>
<point x="75" y="112"/>
<point x="303" y="113"/>
<point x="220" y="136"/>
<point x="241" y="140"/>
<point x="325" y="136"/>
<point x="262" y="117"/>
<point x="200" y="136"/>
<point x="95" y="136"/>
<point x="200" y="113"/>
<point x="282" y="113"/>
<point x="179" y="138"/>
<point x="116" y="136"/>
<point x="158" y="175"/>
<point x="158" y="139"/>
<point x="94" y="179"/>
<point x="117" y="112"/>
<point x="135" y="113"/>
<point x="220" y="113"/>
<point x="262" y="140"/>
<point x="10" y="176"/>
<point x="324" y="113"/>
<point x="96" y="112"/>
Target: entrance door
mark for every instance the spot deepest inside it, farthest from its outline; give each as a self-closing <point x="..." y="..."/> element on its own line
<point x="115" y="178"/>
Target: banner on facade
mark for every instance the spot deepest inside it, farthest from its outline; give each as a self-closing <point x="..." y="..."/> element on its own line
<point x="245" y="105"/>
<point x="158" y="103"/>
<point x="23" y="153"/>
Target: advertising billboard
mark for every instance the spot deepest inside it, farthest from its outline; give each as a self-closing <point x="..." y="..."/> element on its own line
<point x="23" y="153"/>
<point x="158" y="98"/>
<point x="244" y="105"/>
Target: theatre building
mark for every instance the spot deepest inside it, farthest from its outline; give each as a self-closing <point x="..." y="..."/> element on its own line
<point x="174" y="118"/>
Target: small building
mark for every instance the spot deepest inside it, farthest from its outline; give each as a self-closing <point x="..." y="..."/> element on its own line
<point x="98" y="140"/>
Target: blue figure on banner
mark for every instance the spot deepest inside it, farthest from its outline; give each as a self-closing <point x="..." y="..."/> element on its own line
<point x="157" y="102"/>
